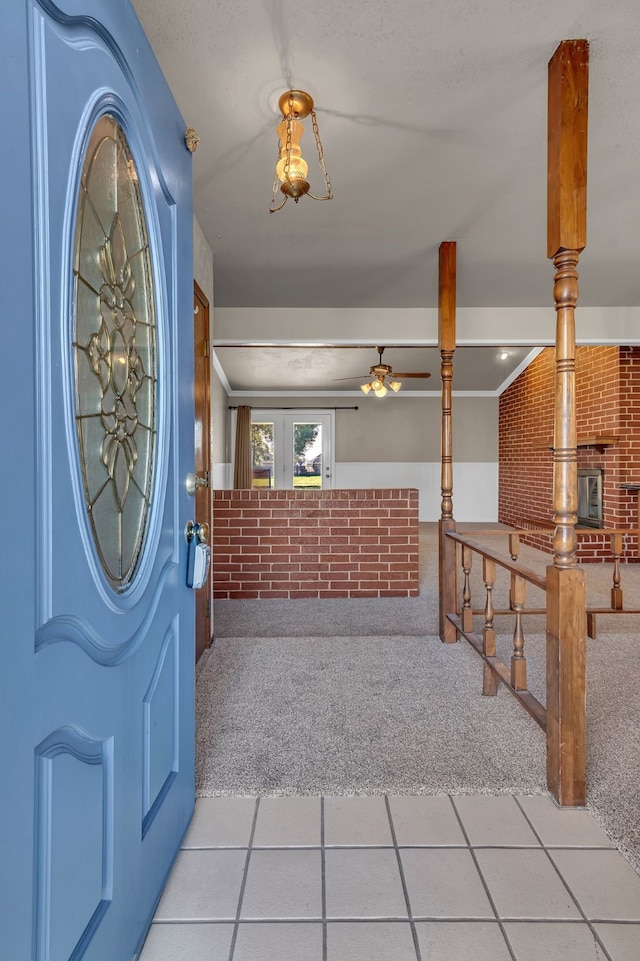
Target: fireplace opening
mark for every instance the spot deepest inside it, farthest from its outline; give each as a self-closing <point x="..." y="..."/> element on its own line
<point x="590" y="497"/>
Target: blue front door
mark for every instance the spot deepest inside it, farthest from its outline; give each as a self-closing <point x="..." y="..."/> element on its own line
<point x="96" y="685"/>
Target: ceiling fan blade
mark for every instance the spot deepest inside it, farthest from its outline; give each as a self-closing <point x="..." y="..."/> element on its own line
<point x="358" y="377"/>
<point x="396" y="374"/>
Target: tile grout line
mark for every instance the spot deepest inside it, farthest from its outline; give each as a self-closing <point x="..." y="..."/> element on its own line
<point x="414" y="932"/>
<point x="482" y="878"/>
<point x="323" y="876"/>
<point x="234" y="936"/>
<point x="594" y="933"/>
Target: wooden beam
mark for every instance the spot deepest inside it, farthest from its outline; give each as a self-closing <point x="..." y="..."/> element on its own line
<point x="567" y="147"/>
<point x="448" y="569"/>
<point x="447" y="295"/>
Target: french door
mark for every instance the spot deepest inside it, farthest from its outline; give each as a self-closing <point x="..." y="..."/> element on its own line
<point x="97" y="679"/>
<point x="292" y="449"/>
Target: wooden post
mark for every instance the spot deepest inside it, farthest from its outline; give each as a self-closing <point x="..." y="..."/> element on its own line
<point x="566" y="598"/>
<point x="566" y="671"/>
<point x="447" y="567"/>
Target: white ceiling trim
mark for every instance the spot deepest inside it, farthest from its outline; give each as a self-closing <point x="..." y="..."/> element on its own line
<point x="358" y="393"/>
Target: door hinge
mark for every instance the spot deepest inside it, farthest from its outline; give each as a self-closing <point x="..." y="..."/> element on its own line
<point x="205" y="349"/>
<point x="207" y="609"/>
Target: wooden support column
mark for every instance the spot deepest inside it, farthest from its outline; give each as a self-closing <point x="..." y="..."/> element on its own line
<point x="566" y="599"/>
<point x="447" y="567"/>
<point x="566" y="689"/>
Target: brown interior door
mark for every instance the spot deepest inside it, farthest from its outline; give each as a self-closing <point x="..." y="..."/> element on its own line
<point x="202" y="407"/>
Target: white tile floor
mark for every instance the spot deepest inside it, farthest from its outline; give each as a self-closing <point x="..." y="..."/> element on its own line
<point x="396" y="879"/>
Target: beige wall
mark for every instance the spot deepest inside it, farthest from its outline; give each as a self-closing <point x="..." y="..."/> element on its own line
<point x="409" y="429"/>
<point x="203" y="264"/>
<point x="403" y="429"/>
<point x="203" y="275"/>
<point x="220" y="448"/>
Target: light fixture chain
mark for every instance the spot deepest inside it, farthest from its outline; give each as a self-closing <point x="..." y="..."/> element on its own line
<point x="287" y="162"/>
<point x="323" y="166"/>
<point x="275" y="178"/>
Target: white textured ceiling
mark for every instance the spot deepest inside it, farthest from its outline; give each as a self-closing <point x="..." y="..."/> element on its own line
<point x="317" y="369"/>
<point x="433" y="119"/>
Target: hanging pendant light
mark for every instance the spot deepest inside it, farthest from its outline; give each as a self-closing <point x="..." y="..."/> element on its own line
<point x="291" y="167"/>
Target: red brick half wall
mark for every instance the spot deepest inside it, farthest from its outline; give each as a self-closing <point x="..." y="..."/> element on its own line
<point x="305" y="543"/>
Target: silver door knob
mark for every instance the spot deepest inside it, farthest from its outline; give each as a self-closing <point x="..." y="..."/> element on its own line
<point x="199" y="531"/>
<point x="193" y="482"/>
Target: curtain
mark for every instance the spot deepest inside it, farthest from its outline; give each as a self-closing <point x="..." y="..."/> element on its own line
<point x="242" y="472"/>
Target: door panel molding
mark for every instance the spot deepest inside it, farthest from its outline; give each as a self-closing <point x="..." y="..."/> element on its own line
<point x="161" y="754"/>
<point x="63" y="870"/>
<point x="68" y="627"/>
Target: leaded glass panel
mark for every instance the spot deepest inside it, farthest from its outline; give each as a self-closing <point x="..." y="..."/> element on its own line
<point x="114" y="341"/>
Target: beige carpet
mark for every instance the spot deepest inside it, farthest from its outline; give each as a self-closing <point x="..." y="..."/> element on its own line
<point x="360" y="696"/>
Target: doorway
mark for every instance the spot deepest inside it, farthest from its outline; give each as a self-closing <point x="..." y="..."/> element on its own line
<point x="202" y="443"/>
<point x="292" y="449"/>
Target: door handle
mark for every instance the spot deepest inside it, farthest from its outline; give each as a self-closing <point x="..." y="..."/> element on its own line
<point x="198" y="531"/>
<point x="193" y="482"/>
<point x="198" y="555"/>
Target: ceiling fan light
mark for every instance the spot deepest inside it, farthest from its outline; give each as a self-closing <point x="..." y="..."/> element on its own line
<point x="365" y="388"/>
<point x="377" y="384"/>
<point x="381" y="391"/>
<point x="395" y="385"/>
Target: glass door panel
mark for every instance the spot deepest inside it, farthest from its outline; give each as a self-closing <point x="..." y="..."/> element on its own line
<point x="263" y="460"/>
<point x="307" y="454"/>
<point x="292" y="450"/>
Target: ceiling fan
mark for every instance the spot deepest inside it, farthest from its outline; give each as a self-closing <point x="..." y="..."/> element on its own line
<point x="381" y="375"/>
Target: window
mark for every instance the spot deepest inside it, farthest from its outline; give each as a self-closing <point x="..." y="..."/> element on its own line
<point x="292" y="449"/>
<point x="114" y="343"/>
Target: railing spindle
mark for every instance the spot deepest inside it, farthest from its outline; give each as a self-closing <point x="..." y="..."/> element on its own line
<point x="615" y="541"/>
<point x="514" y="546"/>
<point x="467" y="613"/>
<point x="518" y="660"/>
<point x="489" y="677"/>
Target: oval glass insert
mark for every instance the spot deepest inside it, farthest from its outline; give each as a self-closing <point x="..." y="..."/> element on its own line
<point x="114" y="344"/>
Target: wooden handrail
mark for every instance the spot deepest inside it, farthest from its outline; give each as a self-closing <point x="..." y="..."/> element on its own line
<point x="502" y="673"/>
<point x="499" y="559"/>
<point x="495" y="670"/>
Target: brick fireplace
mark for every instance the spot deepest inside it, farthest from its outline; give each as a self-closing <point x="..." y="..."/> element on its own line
<point x="608" y="427"/>
<point x="590" y="498"/>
